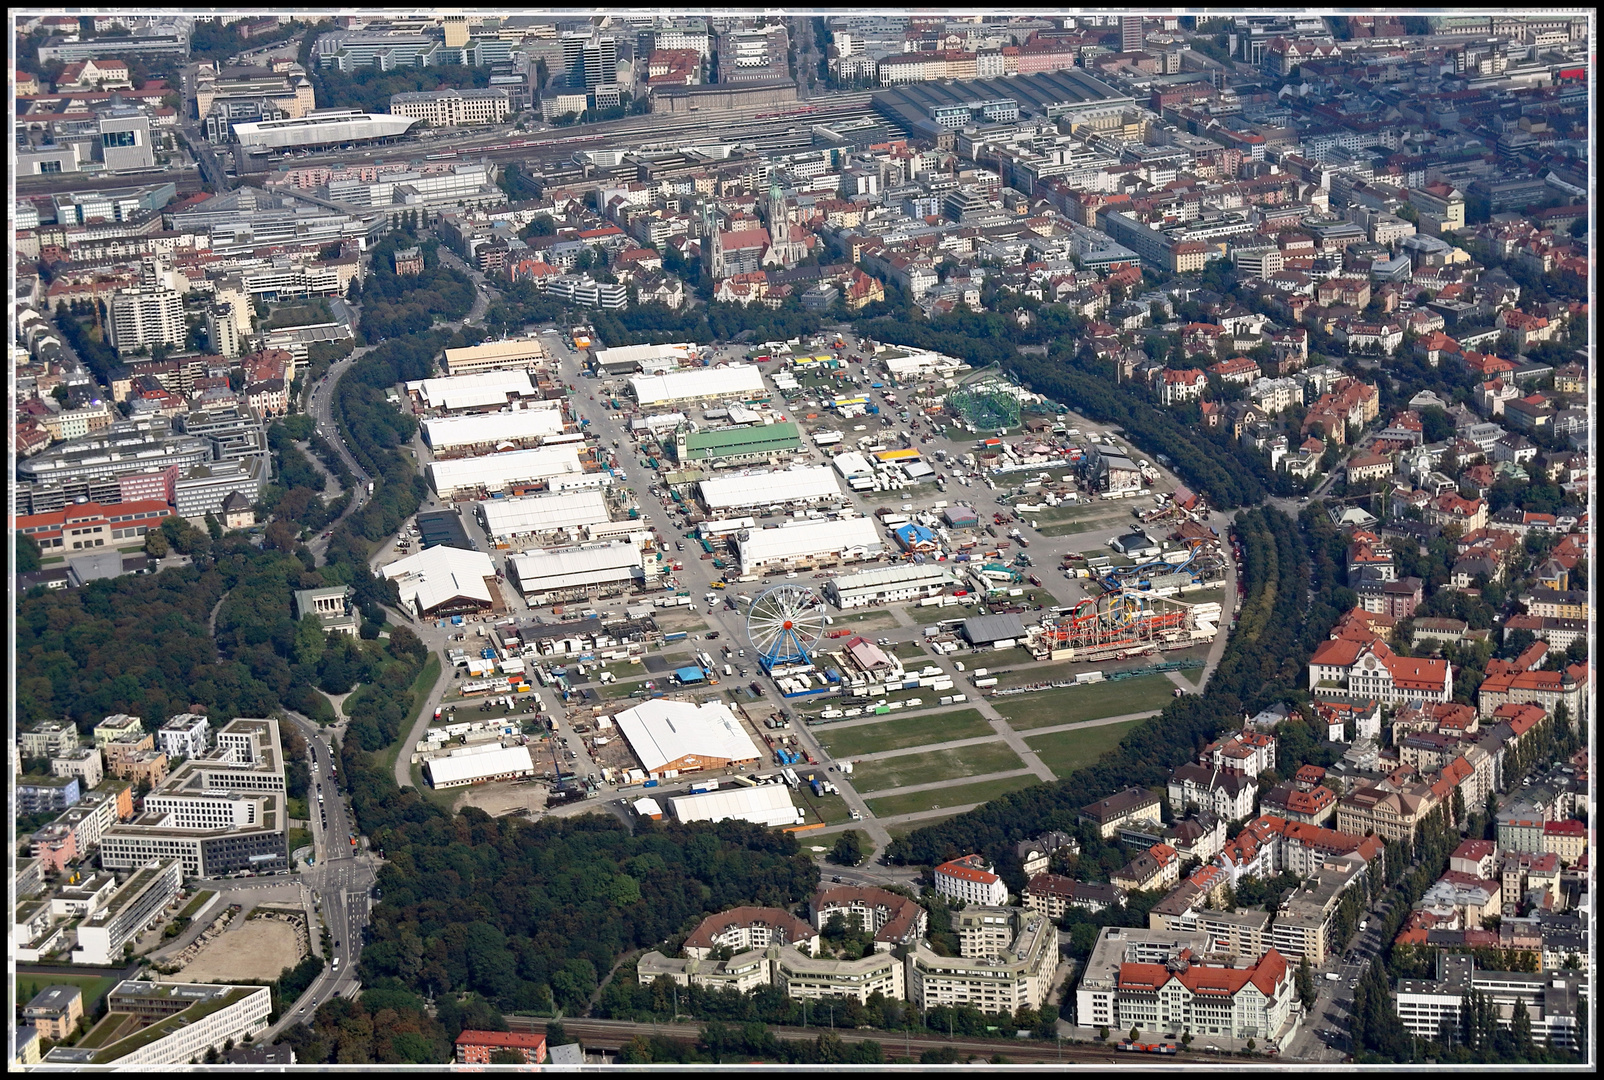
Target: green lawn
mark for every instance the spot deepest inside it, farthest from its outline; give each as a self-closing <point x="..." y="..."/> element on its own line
<point x="933" y="765"/>
<point x="866" y="620"/>
<point x="1193" y="676"/>
<point x="899" y="831"/>
<point x="94" y="987"/>
<point x="199" y="901"/>
<point x="422" y="687"/>
<point x="895" y="734"/>
<point x="1067" y="669"/>
<point x="1065" y="751"/>
<point x="1054" y="515"/>
<point x="1073" y="704"/>
<point x="909" y="650"/>
<point x="1215" y="595"/>
<point x="831" y="809"/>
<point x="297" y="839"/>
<point x="992" y="659"/>
<point x="951" y="795"/>
<point x="924" y="616"/>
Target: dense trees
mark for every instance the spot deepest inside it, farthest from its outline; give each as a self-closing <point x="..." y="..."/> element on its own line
<point x="382" y="1026"/>
<point x="396" y="306"/>
<point x="534" y="915"/>
<point x="369" y="89"/>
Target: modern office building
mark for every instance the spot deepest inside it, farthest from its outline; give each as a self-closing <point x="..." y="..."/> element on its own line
<point x="101" y="936"/>
<point x="217" y="814"/>
<point x="175" y="1023"/>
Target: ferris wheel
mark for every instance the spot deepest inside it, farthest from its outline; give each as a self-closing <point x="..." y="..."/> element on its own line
<point x="785" y="625"/>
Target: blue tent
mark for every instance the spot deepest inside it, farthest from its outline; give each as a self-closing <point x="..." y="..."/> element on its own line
<point x="689" y="674"/>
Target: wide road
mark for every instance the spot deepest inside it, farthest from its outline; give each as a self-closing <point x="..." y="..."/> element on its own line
<point x="320" y="400"/>
<point x="341" y="876"/>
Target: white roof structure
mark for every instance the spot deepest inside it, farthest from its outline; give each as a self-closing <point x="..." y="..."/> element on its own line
<point x="920" y="363"/>
<point x="466" y="768"/>
<point x="648" y="356"/>
<point x="473" y="391"/>
<point x="736" y="380"/>
<point x="672" y="735"/>
<point x="808" y="483"/>
<point x="803" y="539"/>
<point x="767" y="804"/>
<point x="879" y="577"/>
<point x="450" y="432"/>
<point x="657" y="421"/>
<point x="852" y="464"/>
<point x="574" y="567"/>
<point x="529" y="514"/>
<point x="647" y="808"/>
<point x="319" y="128"/>
<point x="441" y="574"/>
<point x="497" y="472"/>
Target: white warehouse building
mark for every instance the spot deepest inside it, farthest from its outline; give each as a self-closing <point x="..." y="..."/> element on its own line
<point x="532" y="515"/>
<point x="767" y="804"/>
<point x="809" y="544"/>
<point x="887" y="584"/>
<point x="448" y="435"/>
<point x="698" y="384"/>
<point x="561" y="572"/>
<point x="479" y="765"/>
<point x="741" y="491"/>
<point x="490" y="473"/>
<point x="483" y="390"/>
<point x="671" y="737"/>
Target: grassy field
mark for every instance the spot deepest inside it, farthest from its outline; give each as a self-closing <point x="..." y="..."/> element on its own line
<point x="831" y="809"/>
<point x="1070" y="528"/>
<point x="1193" y="676"/>
<point x="94" y="987"/>
<point x="909" y="650"/>
<point x="934" y="765"/>
<point x="924" y="616"/>
<point x="1054" y="515"/>
<point x="1065" y="669"/>
<point x="902" y="732"/>
<point x="422" y="687"/>
<point x="1206" y="596"/>
<point x="199" y="901"/>
<point x="951" y="795"/>
<point x="899" y="831"/>
<point x="1065" y="751"/>
<point x="1071" y="705"/>
<point x="867" y="620"/>
<point x="296" y="839"/>
<point x="992" y="659"/>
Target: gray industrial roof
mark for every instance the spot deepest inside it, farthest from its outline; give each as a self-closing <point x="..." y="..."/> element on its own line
<point x="985" y="629"/>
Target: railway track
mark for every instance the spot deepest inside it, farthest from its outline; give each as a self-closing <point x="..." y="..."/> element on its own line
<point x="788" y="128"/>
<point x="612" y="1034"/>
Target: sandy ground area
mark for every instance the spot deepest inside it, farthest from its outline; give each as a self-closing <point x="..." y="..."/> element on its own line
<point x="249" y="949"/>
<point x="499" y="799"/>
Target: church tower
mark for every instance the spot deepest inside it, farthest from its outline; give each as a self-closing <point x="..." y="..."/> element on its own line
<point x="779" y="223"/>
<point x="712" y="246"/>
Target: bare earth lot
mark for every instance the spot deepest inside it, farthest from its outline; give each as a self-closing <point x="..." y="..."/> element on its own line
<point x="499" y="799"/>
<point x="250" y="949"/>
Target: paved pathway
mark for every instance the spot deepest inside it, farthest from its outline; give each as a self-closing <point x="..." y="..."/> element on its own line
<point x="937" y="784"/>
<point x="1100" y="722"/>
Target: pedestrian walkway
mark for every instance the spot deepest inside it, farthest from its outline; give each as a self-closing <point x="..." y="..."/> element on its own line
<point x="938" y="784"/>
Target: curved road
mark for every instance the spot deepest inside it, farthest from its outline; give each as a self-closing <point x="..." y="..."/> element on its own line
<point x="321" y="397"/>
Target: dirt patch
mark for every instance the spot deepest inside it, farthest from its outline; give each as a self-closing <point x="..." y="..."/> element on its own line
<point x="251" y="949"/>
<point x="498" y="800"/>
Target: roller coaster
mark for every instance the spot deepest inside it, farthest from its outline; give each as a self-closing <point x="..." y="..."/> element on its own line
<point x="1121" y="624"/>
